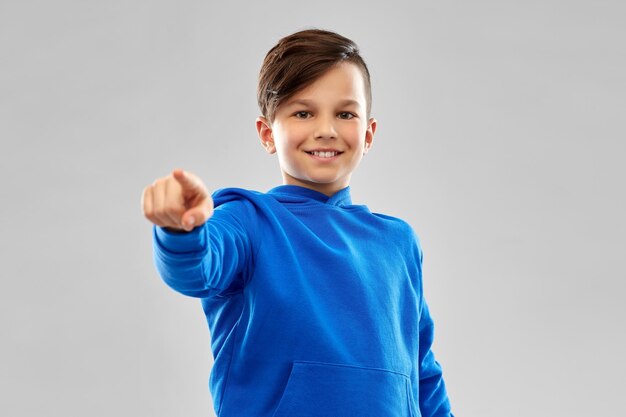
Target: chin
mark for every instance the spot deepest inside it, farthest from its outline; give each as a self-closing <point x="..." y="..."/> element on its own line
<point x="322" y="181"/>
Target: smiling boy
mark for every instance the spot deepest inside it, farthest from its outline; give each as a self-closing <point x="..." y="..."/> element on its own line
<point x="323" y="131"/>
<point x="315" y="305"/>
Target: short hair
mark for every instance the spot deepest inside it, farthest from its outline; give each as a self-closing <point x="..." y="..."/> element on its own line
<point x="299" y="59"/>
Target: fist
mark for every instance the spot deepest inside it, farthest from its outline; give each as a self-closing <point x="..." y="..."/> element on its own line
<point x="177" y="202"/>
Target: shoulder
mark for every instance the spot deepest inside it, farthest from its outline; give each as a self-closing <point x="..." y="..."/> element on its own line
<point x="400" y="230"/>
<point x="234" y="203"/>
<point x="242" y="203"/>
<point x="227" y="195"/>
<point x="233" y="197"/>
<point x="396" y="223"/>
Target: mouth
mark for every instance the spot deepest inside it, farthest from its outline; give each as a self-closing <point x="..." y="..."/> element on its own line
<point x="324" y="154"/>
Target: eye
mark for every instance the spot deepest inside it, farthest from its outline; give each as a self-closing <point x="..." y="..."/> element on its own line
<point x="304" y="113"/>
<point x="346" y="115"/>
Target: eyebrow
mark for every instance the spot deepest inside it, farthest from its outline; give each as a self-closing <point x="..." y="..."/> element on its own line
<point x="306" y="102"/>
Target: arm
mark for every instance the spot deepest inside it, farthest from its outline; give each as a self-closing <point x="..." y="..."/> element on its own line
<point x="433" y="397"/>
<point x="195" y="256"/>
<point x="211" y="259"/>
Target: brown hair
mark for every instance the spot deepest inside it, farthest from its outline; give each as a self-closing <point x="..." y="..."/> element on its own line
<point x="299" y="59"/>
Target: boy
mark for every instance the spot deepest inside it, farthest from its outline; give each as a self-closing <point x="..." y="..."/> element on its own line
<point x="314" y="304"/>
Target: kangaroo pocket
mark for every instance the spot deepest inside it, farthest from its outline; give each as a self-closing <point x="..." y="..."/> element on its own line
<point x="333" y="390"/>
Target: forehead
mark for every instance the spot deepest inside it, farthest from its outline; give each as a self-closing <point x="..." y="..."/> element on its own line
<point x="344" y="84"/>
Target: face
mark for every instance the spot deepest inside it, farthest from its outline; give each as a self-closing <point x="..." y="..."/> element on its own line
<point x="322" y="132"/>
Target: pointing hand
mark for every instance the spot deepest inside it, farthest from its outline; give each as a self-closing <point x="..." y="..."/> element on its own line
<point x="178" y="202"/>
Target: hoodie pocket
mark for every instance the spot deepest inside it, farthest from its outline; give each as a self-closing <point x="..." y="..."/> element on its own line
<point x="334" y="390"/>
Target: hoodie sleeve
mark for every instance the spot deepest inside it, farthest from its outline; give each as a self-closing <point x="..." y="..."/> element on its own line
<point x="433" y="397"/>
<point x="212" y="259"/>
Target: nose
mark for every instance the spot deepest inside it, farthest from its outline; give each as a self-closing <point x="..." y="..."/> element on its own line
<point x="325" y="128"/>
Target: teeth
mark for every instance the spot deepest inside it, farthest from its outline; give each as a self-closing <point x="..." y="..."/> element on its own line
<point x="324" y="154"/>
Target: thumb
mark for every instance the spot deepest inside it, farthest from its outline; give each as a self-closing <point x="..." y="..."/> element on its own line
<point x="198" y="215"/>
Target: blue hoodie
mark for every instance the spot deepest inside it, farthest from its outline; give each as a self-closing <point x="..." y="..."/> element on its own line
<point x="314" y="305"/>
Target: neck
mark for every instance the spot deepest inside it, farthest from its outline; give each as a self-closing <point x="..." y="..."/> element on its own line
<point x="328" y="189"/>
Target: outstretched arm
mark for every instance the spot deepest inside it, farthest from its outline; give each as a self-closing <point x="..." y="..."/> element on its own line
<point x="197" y="252"/>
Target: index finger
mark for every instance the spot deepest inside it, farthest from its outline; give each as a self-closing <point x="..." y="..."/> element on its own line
<point x="184" y="178"/>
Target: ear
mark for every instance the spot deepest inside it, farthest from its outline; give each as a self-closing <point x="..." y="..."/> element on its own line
<point x="264" y="129"/>
<point x="369" y="135"/>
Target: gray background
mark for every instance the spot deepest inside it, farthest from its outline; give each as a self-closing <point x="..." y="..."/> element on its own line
<point x="500" y="139"/>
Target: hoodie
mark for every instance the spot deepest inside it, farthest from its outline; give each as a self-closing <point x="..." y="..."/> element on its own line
<point x="315" y="306"/>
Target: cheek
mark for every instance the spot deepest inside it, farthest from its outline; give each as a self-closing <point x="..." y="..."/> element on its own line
<point x="292" y="138"/>
<point x="355" y="136"/>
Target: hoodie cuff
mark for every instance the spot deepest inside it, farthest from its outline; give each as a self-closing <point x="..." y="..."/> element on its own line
<point x="181" y="242"/>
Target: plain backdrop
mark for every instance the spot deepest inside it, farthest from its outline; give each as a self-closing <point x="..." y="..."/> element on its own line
<point x="500" y="139"/>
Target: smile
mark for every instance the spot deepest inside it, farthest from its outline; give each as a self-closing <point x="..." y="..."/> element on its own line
<point x="324" y="154"/>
